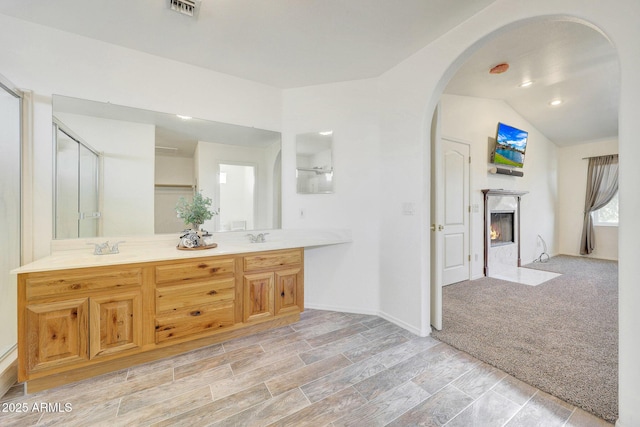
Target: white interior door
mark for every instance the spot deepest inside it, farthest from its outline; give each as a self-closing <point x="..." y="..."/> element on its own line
<point x="450" y="220"/>
<point x="455" y="230"/>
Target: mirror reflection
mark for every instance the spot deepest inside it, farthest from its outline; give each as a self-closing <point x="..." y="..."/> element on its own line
<point x="147" y="160"/>
<point x="314" y="164"/>
<point x="77" y="171"/>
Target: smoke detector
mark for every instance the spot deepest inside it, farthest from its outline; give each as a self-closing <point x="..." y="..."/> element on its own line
<point x="185" y="7"/>
<point x="499" y="69"/>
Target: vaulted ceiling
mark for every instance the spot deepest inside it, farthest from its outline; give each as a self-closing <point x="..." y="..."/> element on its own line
<point x="294" y="43"/>
<point x="563" y="60"/>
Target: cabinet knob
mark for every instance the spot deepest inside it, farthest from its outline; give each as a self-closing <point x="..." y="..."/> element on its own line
<point x="196" y="313"/>
<point x="282" y="294"/>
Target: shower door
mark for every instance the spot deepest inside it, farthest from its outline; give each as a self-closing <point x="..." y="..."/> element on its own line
<point x="77" y="202"/>
<point x="10" y="201"/>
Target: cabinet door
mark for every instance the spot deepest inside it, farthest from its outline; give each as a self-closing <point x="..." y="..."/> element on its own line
<point x="116" y="323"/>
<point x="287" y="290"/>
<point x="258" y="296"/>
<point x="57" y="334"/>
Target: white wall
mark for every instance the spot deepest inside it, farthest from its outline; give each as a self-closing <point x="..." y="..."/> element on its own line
<point x="475" y="120"/>
<point x="572" y="185"/>
<point x="343" y="277"/>
<point x="128" y="161"/>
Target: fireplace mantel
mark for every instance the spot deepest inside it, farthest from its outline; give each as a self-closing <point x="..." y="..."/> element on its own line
<point x="502" y="192"/>
<point x="487" y="240"/>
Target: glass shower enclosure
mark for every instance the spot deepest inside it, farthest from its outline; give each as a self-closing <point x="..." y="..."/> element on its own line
<point x="77" y="185"/>
<point x="10" y="211"/>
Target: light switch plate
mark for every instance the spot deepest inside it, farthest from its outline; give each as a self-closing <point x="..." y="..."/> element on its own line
<point x="408" y="208"/>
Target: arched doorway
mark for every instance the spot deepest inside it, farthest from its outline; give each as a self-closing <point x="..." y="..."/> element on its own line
<point x="508" y="43"/>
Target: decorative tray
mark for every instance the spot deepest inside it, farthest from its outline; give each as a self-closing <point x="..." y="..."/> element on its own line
<point x="197" y="248"/>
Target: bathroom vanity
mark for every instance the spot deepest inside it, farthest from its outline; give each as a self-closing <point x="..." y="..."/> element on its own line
<point x="80" y="315"/>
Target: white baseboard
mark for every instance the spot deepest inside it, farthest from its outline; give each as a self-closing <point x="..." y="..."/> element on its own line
<point x="402" y="324"/>
<point x="358" y="310"/>
<point x="341" y="309"/>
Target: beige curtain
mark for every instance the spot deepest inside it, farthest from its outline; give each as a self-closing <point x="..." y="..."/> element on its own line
<point x="602" y="185"/>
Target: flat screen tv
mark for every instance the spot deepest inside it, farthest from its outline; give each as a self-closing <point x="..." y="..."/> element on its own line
<point x="511" y="144"/>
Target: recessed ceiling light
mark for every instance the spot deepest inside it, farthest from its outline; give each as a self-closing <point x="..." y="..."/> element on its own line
<point x="184" y="117"/>
<point x="555" y="102"/>
<point x="526" y="83"/>
<point x="326" y="133"/>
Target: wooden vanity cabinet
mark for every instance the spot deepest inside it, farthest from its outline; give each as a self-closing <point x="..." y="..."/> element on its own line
<point x="66" y="319"/>
<point x="77" y="323"/>
<point x="273" y="284"/>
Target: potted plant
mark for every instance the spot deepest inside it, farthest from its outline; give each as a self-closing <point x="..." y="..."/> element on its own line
<point x="195" y="212"/>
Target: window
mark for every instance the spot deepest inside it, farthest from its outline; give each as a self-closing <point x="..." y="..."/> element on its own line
<point x="607" y="215"/>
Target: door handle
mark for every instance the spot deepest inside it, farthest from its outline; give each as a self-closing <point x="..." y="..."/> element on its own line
<point x="433" y="227"/>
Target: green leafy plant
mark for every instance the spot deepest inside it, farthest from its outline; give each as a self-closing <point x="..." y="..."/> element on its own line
<point x="195" y="212"/>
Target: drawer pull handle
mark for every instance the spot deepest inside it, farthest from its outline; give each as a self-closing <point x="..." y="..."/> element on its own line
<point x="212" y="292"/>
<point x="196" y="313"/>
<point x="282" y="294"/>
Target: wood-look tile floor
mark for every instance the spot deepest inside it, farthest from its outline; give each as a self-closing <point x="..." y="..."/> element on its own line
<point x="328" y="369"/>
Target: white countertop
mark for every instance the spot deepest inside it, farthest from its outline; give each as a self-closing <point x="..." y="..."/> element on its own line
<point x="78" y="253"/>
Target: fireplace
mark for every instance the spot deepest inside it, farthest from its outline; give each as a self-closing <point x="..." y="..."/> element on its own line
<point x="501" y="229"/>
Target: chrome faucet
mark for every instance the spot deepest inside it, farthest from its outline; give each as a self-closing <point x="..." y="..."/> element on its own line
<point x="105" y="248"/>
<point x="257" y="238"/>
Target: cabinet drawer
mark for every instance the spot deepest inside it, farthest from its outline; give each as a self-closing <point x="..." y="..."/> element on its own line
<point x="194" y="320"/>
<point x="41" y="286"/>
<point x="200" y="269"/>
<point x="272" y="259"/>
<point x="175" y="297"/>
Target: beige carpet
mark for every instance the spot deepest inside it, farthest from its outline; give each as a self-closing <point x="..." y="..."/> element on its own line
<point x="560" y="336"/>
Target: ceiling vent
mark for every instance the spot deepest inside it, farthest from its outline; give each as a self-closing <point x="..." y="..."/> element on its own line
<point x="186" y="7"/>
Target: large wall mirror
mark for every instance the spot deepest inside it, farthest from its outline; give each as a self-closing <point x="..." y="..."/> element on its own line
<point x="147" y="160"/>
<point x="314" y="162"/>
